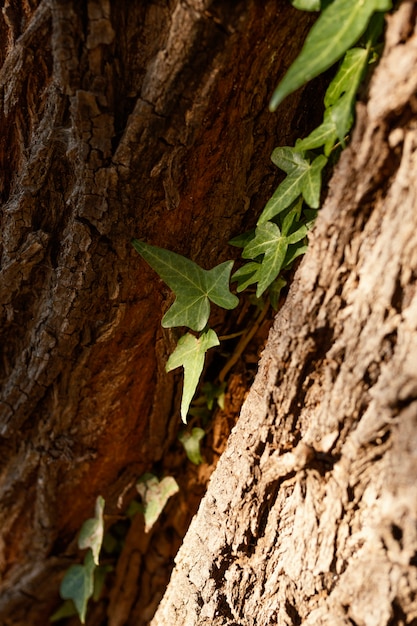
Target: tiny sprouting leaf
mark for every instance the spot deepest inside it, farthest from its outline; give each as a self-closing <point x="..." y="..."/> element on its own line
<point x="303" y="178"/>
<point x="193" y="286"/>
<point x="190" y="353"/>
<point x="155" y="494"/>
<point x="91" y="533"/>
<point x="338" y="27"/>
<point x="191" y="442"/>
<point x="78" y="585"/>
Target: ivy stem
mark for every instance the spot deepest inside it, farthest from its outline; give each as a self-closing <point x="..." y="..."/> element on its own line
<point x="241" y="346"/>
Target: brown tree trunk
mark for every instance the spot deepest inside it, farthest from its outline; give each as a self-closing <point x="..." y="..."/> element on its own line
<point x="118" y="119"/>
<point x="311" y="514"/>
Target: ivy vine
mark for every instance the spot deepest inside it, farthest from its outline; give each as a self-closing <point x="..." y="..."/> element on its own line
<point x="346" y="31"/>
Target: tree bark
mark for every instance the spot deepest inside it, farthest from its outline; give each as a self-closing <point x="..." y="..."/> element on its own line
<point x="311" y="514"/>
<point x="120" y="119"/>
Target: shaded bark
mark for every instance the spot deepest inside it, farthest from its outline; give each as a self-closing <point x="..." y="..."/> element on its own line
<point x="311" y="514"/>
<point x="120" y="119"/>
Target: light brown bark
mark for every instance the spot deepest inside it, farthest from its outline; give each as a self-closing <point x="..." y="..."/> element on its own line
<point x="118" y="119"/>
<point x="311" y="515"/>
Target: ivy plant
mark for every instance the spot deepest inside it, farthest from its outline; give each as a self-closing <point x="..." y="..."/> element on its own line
<point x="80" y="580"/>
<point x="345" y="31"/>
<point x="84" y="581"/>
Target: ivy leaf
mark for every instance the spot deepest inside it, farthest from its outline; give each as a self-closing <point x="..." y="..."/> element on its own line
<point x="339" y="26"/>
<point x="100" y="574"/>
<point x="67" y="609"/>
<point x="274" y="245"/>
<point x="189" y="354"/>
<point x="241" y="240"/>
<point x="214" y="392"/>
<point x="246" y="275"/>
<point x="78" y="585"/>
<point x="191" y="442"/>
<point x="348" y="76"/>
<point x="275" y="291"/>
<point x="304" y="177"/>
<point x="339" y="100"/>
<point x="194" y="287"/>
<point x="307" y="5"/>
<point x="155" y="494"/>
<point x="91" y="533"/>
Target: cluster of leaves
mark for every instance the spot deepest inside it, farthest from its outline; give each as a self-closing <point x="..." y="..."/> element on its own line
<point x="85" y="581"/>
<point x="280" y="234"/>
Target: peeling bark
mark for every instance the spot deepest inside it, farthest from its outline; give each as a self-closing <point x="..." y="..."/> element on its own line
<point x="311" y="514"/>
<point x="118" y="119"/>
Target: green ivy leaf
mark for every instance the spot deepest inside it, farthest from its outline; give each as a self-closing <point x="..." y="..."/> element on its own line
<point x="191" y="442"/>
<point x="246" y="275"/>
<point x="274" y="245"/>
<point x="303" y="177"/>
<point x="307" y="5"/>
<point x="241" y="240"/>
<point x="91" y="533"/>
<point x="339" y="26"/>
<point x="275" y="291"/>
<point x="194" y="287"/>
<point x="78" y="585"/>
<point x="189" y="354"/>
<point x="67" y="609"/>
<point x="340" y="100"/>
<point x="213" y="392"/>
<point x="155" y="494"/>
<point x="100" y="574"/>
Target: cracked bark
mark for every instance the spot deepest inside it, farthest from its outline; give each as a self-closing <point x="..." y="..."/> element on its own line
<point x="311" y="514"/>
<point x="117" y="120"/>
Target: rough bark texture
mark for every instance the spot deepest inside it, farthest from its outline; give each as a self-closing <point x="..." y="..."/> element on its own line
<point x="118" y="119"/>
<point x="311" y="514"/>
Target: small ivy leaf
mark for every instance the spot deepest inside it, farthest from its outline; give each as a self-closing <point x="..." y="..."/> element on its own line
<point x="278" y="247"/>
<point x="191" y="442"/>
<point x="241" y="240"/>
<point x="78" y="585"/>
<point x="339" y="100"/>
<point x="246" y="275"/>
<point x="155" y="494"/>
<point x="100" y="574"/>
<point x="190" y="353"/>
<point x="348" y="77"/>
<point x="302" y="177"/>
<point x="67" y="609"/>
<point x="269" y="242"/>
<point x="293" y="253"/>
<point x="267" y="235"/>
<point x="307" y="5"/>
<point x="275" y="291"/>
<point x="91" y="533"/>
<point x="338" y="27"/>
<point x="193" y="286"/>
<point x="214" y="392"/>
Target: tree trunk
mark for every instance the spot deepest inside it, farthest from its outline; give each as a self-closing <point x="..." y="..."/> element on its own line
<point x="145" y="119"/>
<point x="311" y="514"/>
